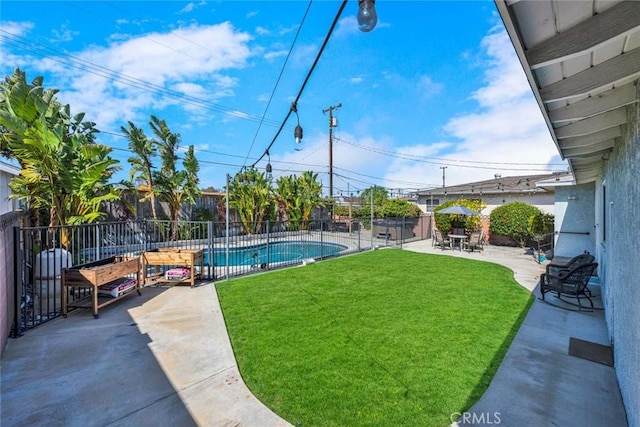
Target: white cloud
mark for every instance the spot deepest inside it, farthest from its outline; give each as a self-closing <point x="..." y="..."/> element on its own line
<point x="276" y="54"/>
<point x="17" y="28"/>
<point x="152" y="61"/>
<point x="252" y="13"/>
<point x="64" y="34"/>
<point x="190" y="7"/>
<point x="427" y="87"/>
<point x="507" y="128"/>
<point x="261" y="31"/>
<point x="356" y="80"/>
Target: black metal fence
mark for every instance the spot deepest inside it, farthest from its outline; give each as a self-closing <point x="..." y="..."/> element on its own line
<point x="41" y="253"/>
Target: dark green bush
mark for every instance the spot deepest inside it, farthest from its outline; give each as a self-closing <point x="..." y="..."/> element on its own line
<point x="512" y="220"/>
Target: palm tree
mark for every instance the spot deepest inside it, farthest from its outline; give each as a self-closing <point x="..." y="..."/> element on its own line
<point x="299" y="196"/>
<point x="311" y="191"/>
<point x="142" y="164"/>
<point x="63" y="169"/>
<point x="169" y="182"/>
<point x="191" y="167"/>
<point x="251" y="196"/>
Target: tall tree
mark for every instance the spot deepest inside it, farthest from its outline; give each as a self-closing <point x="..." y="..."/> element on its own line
<point x="169" y="182"/>
<point x="63" y="170"/>
<point x="299" y="195"/>
<point x="142" y="163"/>
<point x="191" y="167"/>
<point x="251" y="196"/>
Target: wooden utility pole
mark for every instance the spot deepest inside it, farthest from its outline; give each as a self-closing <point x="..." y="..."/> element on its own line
<point x="332" y="124"/>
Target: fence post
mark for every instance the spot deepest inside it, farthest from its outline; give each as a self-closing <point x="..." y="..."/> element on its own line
<point x="321" y="239"/>
<point x="402" y="225"/>
<point x="268" y="245"/>
<point x="98" y="242"/>
<point x="145" y="240"/>
<point x="210" y="251"/>
<point x="17" y="294"/>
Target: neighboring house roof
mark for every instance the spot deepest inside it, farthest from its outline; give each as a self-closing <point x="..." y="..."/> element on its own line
<point x="10" y="169"/>
<point x="500" y="185"/>
<point x="582" y="60"/>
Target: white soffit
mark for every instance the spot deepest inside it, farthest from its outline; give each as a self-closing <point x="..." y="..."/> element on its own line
<point x="582" y="59"/>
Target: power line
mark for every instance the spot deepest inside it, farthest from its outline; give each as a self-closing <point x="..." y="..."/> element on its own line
<point x="448" y="162"/>
<point x="67" y="59"/>
<point x="293" y="43"/>
<point x="294" y="105"/>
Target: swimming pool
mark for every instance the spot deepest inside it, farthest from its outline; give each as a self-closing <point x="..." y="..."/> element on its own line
<point x="284" y="251"/>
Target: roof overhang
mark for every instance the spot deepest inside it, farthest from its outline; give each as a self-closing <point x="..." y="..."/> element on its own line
<point x="582" y="60"/>
<point x="10" y="169"/>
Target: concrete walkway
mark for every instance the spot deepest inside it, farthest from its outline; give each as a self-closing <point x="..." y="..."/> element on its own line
<point x="165" y="359"/>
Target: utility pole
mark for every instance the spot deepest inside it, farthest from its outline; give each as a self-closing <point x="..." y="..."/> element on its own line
<point x="332" y="124"/>
<point x="443" y="168"/>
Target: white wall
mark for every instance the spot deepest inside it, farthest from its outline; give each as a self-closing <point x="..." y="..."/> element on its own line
<point x="574" y="217"/>
<point x="6" y="205"/>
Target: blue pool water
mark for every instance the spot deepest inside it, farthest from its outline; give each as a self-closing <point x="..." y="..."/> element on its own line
<point x="277" y="252"/>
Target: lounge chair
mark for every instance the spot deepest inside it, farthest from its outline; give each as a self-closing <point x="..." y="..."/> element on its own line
<point x="569" y="283"/>
<point x="440" y="240"/>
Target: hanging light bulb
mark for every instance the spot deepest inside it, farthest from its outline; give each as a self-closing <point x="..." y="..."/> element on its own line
<point x="297" y="133"/>
<point x="269" y="169"/>
<point x="367" y="16"/>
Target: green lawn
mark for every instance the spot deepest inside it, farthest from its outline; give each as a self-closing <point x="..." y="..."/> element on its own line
<point x="388" y="337"/>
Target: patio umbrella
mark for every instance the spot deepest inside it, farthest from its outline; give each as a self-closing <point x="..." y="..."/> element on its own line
<point x="458" y="210"/>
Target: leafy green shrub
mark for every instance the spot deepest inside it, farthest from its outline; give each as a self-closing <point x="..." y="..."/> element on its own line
<point x="540" y="224"/>
<point x="512" y="220"/>
<point x="446" y="222"/>
<point x="400" y="208"/>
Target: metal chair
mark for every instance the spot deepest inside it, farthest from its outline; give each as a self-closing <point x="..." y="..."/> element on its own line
<point x="569" y="283"/>
<point x="475" y="241"/>
<point x="440" y="240"/>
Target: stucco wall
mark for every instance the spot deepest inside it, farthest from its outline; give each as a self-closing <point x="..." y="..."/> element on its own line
<point x="7" y="222"/>
<point x="575" y="215"/>
<point x="621" y="251"/>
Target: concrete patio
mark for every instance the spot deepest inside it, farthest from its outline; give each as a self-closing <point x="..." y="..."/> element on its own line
<point x="165" y="359"/>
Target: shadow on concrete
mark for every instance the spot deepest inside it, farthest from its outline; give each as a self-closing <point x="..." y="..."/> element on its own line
<point x="86" y="371"/>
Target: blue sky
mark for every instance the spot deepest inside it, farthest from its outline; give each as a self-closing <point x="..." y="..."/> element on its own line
<point x="435" y="84"/>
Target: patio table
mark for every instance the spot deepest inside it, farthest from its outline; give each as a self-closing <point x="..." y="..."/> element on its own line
<point x="458" y="239"/>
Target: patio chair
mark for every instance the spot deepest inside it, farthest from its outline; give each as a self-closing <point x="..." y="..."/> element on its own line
<point x="569" y="283"/>
<point x="584" y="258"/>
<point x="440" y="240"/>
<point x="475" y="241"/>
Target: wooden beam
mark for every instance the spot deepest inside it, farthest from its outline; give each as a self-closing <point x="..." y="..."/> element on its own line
<point x="618" y="21"/>
<point x="587" y="150"/>
<point x="614" y="71"/>
<point x="597" y="104"/>
<point x="592" y="124"/>
<point x="593" y="138"/>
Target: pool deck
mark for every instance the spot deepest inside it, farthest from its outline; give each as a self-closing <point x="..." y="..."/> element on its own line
<point x="164" y="358"/>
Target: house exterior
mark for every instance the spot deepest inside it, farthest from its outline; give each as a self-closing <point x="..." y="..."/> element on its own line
<point x="536" y="190"/>
<point x="582" y="60"/>
<point x="9" y="218"/>
<point x="7" y="172"/>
